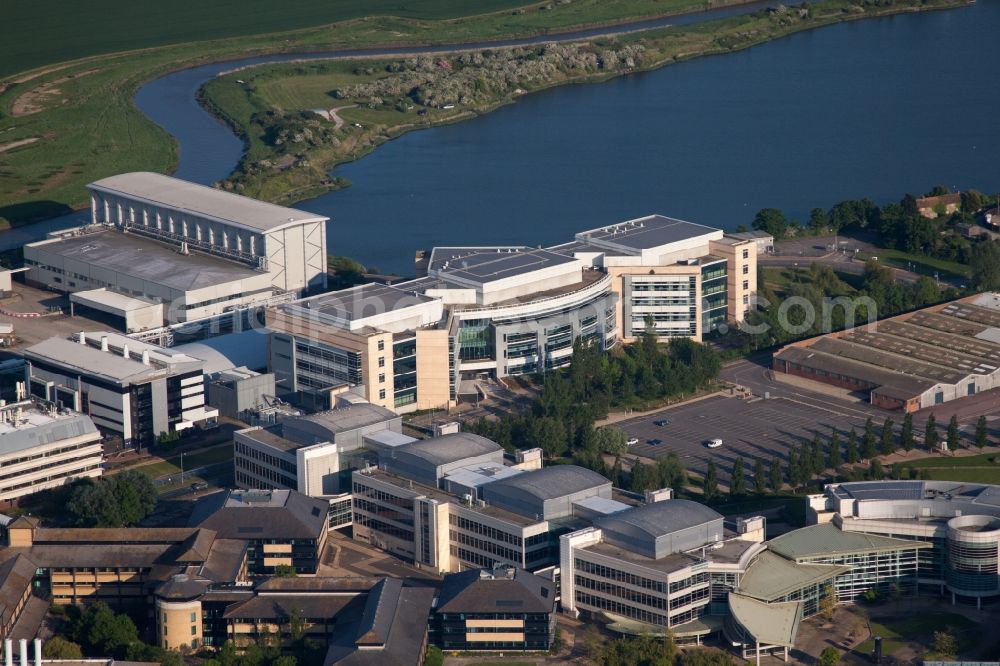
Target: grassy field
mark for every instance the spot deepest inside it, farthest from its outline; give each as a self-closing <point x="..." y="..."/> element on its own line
<point x="779" y="279"/>
<point x="971" y="469"/>
<point x="33" y="34"/>
<point x="65" y="126"/>
<point x="172" y="465"/>
<point x="284" y="173"/>
<point x="921" y="264"/>
<point x="918" y="631"/>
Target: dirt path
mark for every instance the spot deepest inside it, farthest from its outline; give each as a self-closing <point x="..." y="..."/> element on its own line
<point x="36" y="99"/>
<point x="331" y="115"/>
<point x="4" y="147"/>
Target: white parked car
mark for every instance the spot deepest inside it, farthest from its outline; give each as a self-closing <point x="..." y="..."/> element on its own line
<point x="632" y="441"/>
<point x="714" y="443"/>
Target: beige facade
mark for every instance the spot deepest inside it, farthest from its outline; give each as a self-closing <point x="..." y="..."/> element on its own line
<point x="433" y="378"/>
<point x="618" y="274"/>
<point x="178" y="624"/>
<point x="741" y="265"/>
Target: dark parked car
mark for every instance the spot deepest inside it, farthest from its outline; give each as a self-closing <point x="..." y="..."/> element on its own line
<point x="655" y="442"/>
<point x="662" y="422"/>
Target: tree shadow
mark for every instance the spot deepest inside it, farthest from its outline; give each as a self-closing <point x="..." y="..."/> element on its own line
<point x="26" y="212"/>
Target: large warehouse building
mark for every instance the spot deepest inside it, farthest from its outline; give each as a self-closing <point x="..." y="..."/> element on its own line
<point x="909" y="362"/>
<point x="198" y="250"/>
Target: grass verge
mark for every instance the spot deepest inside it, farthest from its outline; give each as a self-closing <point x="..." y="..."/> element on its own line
<point x="918" y="632"/>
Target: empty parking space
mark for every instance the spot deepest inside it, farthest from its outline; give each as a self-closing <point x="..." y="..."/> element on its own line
<point x="756" y="429"/>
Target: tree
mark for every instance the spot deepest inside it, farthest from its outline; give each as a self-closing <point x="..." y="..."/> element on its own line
<point x="58" y="647"/>
<point x="945" y="644"/>
<point x="930" y="433"/>
<point x="868" y="440"/>
<point x="704" y="657"/>
<point x="982" y="432"/>
<point x="833" y="459"/>
<point x="828" y="601"/>
<point x="759" y="480"/>
<point x="710" y="485"/>
<point x="549" y="434"/>
<point x="984" y="262"/>
<point x="593" y="643"/>
<point x="875" y="469"/>
<point x="952" y="433"/>
<point x="829" y="656"/>
<point x="906" y="434"/>
<point x="612" y="441"/>
<point x="852" y="447"/>
<point x="638" y="478"/>
<point x="777" y="478"/>
<point x="284" y="571"/>
<point x="112" y="501"/>
<point x="737" y="482"/>
<point x="772" y="221"/>
<point x="818" y="220"/>
<point x="817" y="460"/>
<point x="794" y="468"/>
<point x="888" y="443"/>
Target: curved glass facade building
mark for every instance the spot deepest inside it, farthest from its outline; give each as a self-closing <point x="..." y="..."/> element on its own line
<point x="973" y="548"/>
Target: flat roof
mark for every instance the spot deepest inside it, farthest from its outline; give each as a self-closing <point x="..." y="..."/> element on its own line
<point x="485" y="266"/>
<point x="646" y="233"/>
<point x="145" y="259"/>
<point x="38" y="427"/>
<point x="351" y="417"/>
<point x="602" y="505"/>
<point x="363" y="301"/>
<point x="102" y="298"/>
<point x="77" y="358"/>
<point x="481" y="474"/>
<point x="203" y="201"/>
<point x="440" y="495"/>
<point x="439" y="256"/>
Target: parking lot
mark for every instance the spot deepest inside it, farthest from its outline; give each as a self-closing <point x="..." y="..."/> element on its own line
<point x="748" y="429"/>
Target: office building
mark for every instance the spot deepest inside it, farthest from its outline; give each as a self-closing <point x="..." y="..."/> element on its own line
<point x="497" y="609"/>
<point x="455" y="502"/>
<point x="44" y="447"/>
<point x="955" y="528"/>
<point x="194" y="251"/>
<point x="130" y="389"/>
<point x="909" y="362"/>
<point x="313" y="454"/>
<point x="477" y="313"/>
<point x="281" y="528"/>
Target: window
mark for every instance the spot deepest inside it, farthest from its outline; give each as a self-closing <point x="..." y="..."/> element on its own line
<point x="746" y="300"/>
<point x="381" y="394"/>
<point x="746" y="269"/>
<point x="381" y="378"/>
<point x="194" y="630"/>
<point x="381" y="345"/>
<point x="194" y="617"/>
<point x="381" y="361"/>
<point x="746" y="253"/>
<point x="746" y="284"/>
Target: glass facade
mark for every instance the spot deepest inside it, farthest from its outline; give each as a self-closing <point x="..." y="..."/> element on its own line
<point x="876" y="570"/>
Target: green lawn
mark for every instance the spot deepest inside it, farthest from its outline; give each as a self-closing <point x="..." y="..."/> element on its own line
<point x="920" y="264"/>
<point x="965" y="461"/>
<point x="897" y="633"/>
<point x="194" y="460"/>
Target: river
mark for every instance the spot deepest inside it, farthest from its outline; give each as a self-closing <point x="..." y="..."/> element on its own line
<point x="872" y="109"/>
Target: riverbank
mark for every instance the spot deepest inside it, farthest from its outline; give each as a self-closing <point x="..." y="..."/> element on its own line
<point x="289" y="153"/>
<point x="83" y="124"/>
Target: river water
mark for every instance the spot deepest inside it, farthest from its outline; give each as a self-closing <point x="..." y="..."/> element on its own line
<point x="868" y="109"/>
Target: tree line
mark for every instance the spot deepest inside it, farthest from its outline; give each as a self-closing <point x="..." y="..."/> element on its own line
<point x="854" y="458"/>
<point x="561" y="419"/>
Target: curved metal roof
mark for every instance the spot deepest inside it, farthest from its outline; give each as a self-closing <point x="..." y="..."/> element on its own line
<point x="449" y="448"/>
<point x="660" y="518"/>
<point x="550" y="482"/>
